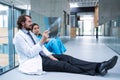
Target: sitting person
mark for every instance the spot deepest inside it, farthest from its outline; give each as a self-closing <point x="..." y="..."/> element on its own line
<point x="54" y="45"/>
<point x="34" y="58"/>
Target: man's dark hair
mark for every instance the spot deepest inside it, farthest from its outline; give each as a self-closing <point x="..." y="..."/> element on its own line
<point x="21" y="19"/>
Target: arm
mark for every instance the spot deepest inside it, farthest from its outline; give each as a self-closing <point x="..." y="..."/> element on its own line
<point x="24" y="46"/>
<point x="47" y="53"/>
<point x="44" y="38"/>
<point x="47" y="40"/>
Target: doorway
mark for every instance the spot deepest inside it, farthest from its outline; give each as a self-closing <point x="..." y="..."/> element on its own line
<point x="86" y="25"/>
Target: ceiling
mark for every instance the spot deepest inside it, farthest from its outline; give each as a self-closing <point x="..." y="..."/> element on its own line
<point x="83" y="3"/>
<point x="73" y="3"/>
<point x="22" y="4"/>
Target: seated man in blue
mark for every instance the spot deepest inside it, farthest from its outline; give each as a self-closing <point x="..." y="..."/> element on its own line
<point x="54" y="45"/>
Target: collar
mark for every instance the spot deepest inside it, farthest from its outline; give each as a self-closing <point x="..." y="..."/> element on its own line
<point x="24" y="30"/>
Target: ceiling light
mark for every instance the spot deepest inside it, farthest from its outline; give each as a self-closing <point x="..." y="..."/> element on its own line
<point x="72" y="5"/>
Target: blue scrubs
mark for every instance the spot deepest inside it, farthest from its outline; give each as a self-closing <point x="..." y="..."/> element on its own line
<point x="54" y="45"/>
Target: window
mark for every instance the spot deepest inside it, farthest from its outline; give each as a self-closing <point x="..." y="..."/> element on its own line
<point x="8" y="58"/>
<point x="3" y="16"/>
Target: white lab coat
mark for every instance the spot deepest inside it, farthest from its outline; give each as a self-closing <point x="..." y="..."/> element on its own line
<point x="30" y="61"/>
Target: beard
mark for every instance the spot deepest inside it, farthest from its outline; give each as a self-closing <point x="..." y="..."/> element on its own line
<point x="28" y="28"/>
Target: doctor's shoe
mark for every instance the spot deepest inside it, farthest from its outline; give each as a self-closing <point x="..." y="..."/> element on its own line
<point x="105" y="66"/>
<point x="112" y="62"/>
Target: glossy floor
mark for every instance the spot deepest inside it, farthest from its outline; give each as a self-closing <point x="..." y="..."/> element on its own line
<point x="85" y="48"/>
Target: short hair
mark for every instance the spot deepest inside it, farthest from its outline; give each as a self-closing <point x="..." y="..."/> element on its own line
<point x="21" y="19"/>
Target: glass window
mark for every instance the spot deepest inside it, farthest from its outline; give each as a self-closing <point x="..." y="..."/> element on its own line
<point x="0" y="48"/>
<point x="8" y="59"/>
<point x="17" y="13"/>
<point x="4" y="35"/>
<point x="3" y="16"/>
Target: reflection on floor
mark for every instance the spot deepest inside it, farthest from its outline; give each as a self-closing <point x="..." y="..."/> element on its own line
<point x="85" y="48"/>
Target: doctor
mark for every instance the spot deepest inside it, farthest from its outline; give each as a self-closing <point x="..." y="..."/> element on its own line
<point x="28" y="53"/>
<point x="34" y="58"/>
